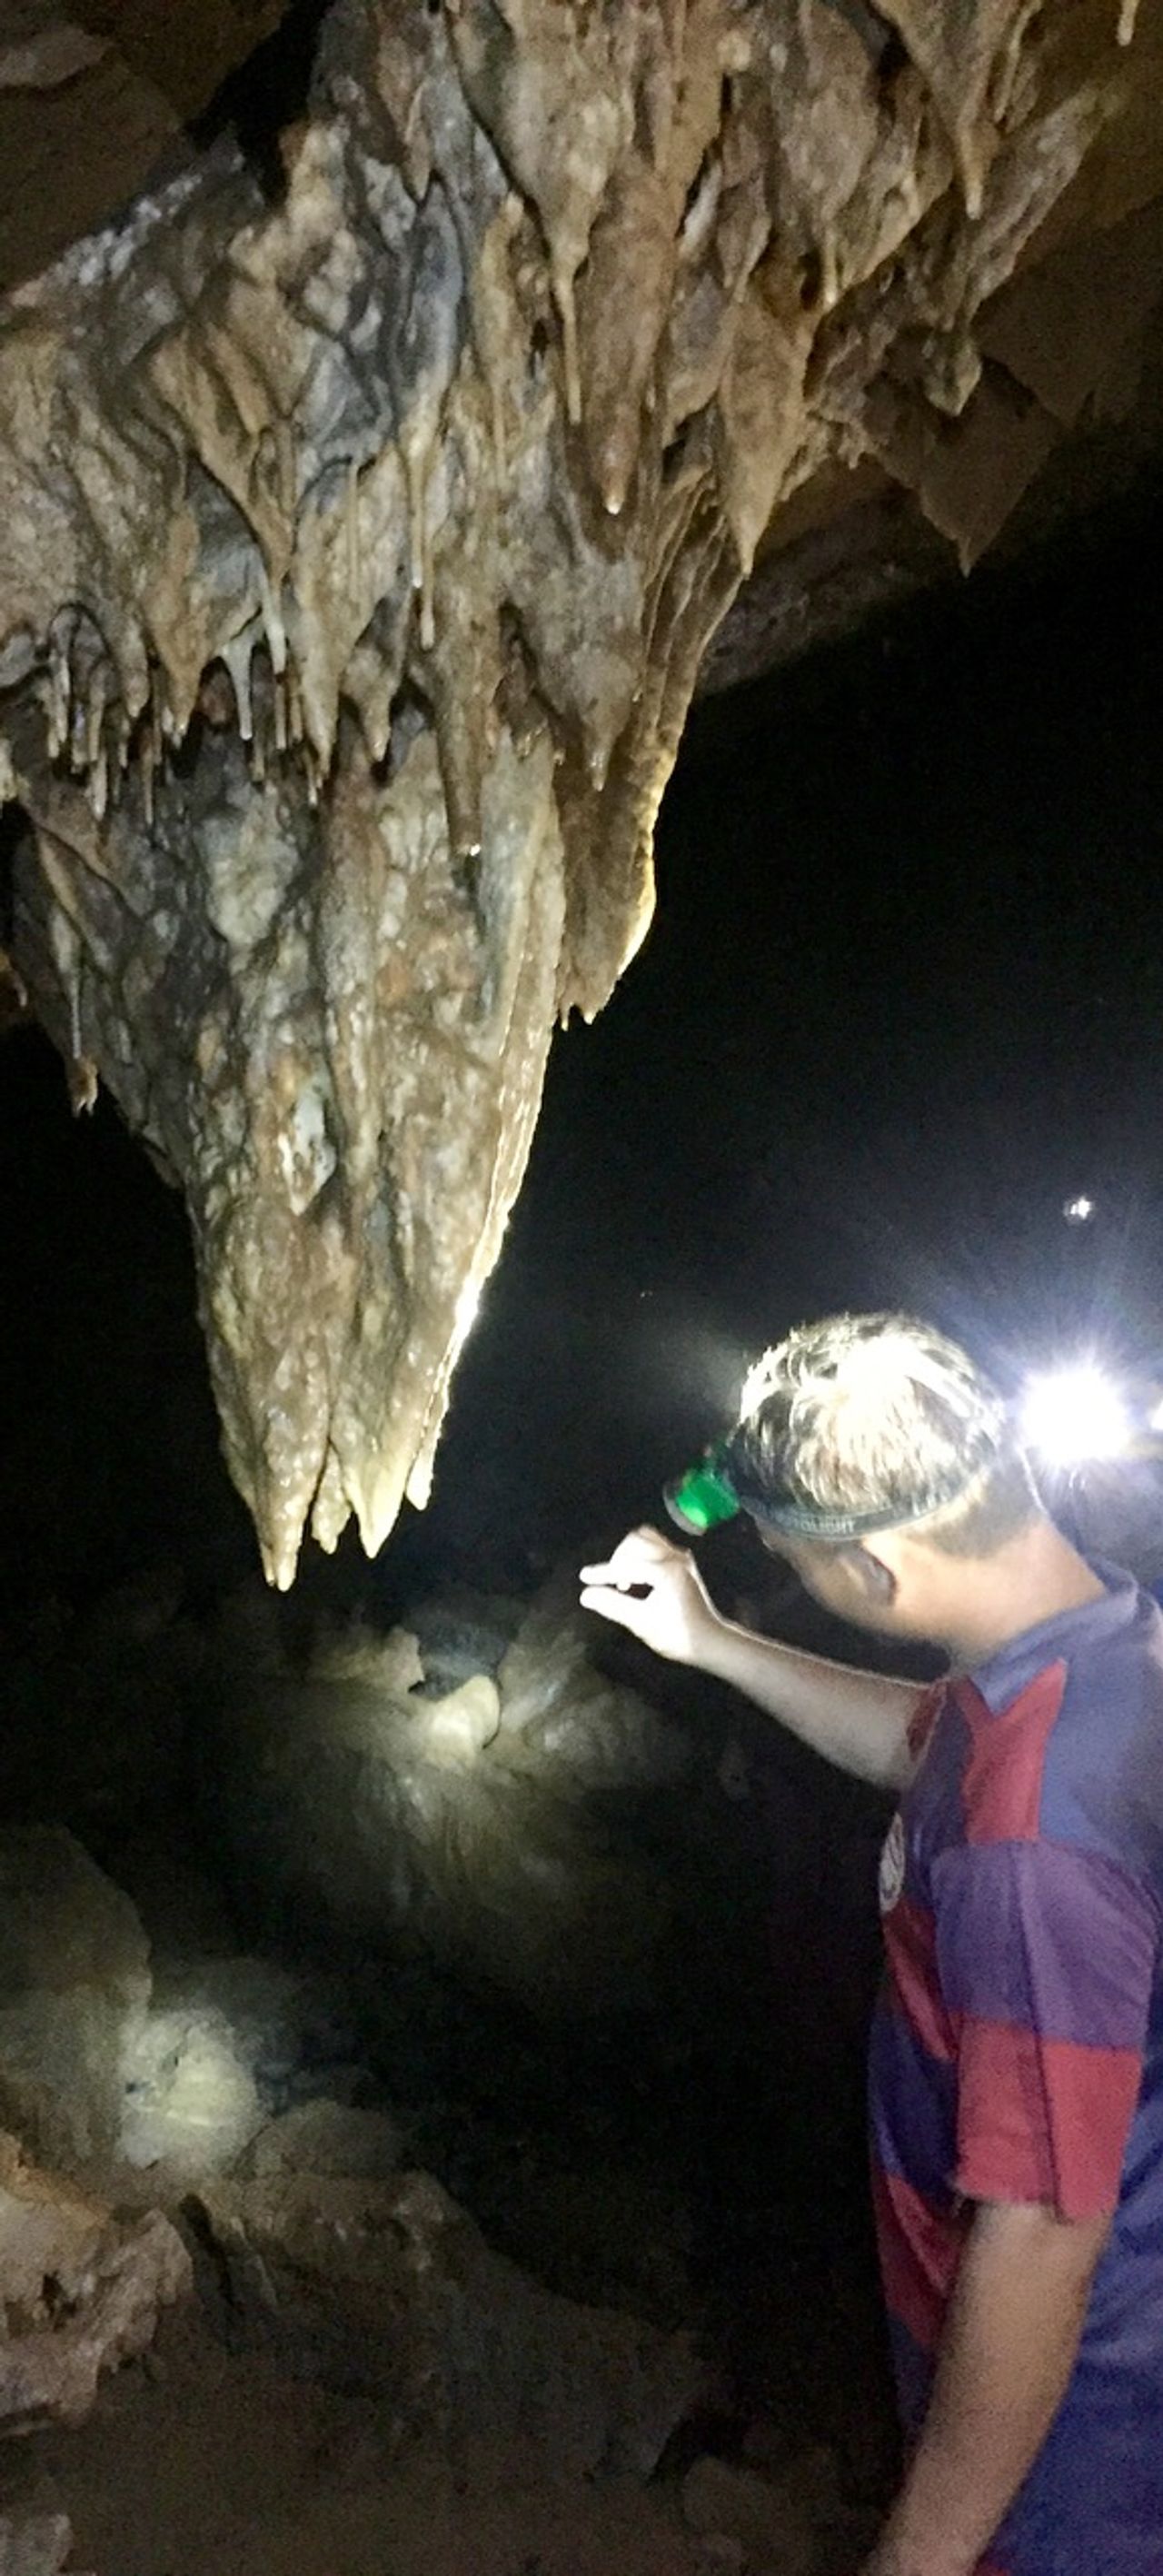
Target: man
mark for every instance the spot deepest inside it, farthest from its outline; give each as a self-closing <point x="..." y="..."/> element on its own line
<point x="1017" y="2053"/>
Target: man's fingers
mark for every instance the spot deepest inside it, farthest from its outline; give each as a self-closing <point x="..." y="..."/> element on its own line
<point x="621" y="1608"/>
<point x="635" y="1559"/>
<point x="621" y="1570"/>
<point x="618" y="1577"/>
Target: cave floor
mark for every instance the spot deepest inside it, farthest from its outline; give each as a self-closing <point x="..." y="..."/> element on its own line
<point x="696" y="2165"/>
<point x="203" y="2462"/>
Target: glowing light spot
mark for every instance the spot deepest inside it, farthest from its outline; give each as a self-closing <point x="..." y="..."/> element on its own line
<point x="468" y="1307"/>
<point x="1079" y="1211"/>
<point x="1075" y="1413"/>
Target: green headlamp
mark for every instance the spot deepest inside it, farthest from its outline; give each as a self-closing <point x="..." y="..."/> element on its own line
<point x="705" y="1496"/>
<point x="709" y="1494"/>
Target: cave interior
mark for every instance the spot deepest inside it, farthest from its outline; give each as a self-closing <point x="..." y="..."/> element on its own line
<point x="431" y="2030"/>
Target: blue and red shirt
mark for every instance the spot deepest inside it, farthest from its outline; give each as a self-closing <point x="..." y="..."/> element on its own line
<point x="1017" y="2051"/>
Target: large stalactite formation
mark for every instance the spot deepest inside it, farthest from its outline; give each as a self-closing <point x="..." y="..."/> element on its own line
<point x="359" y="546"/>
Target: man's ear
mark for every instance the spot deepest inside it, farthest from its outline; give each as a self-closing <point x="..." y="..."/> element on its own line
<point x="875" y="1579"/>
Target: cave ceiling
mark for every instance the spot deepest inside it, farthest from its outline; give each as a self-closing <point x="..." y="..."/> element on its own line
<point x="404" y="408"/>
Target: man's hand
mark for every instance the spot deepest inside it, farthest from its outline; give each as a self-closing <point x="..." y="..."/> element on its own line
<point x="654" y="1589"/>
<point x="859" y="1720"/>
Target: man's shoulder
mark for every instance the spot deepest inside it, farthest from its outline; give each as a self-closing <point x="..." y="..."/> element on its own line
<point x="1006" y="1753"/>
<point x="1075" y="1756"/>
<point x="1103" y="1778"/>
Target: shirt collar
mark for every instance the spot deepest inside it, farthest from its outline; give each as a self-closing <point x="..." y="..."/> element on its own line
<point x="1003" y="1677"/>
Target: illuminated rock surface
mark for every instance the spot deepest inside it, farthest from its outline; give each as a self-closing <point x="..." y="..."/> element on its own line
<point x="359" y="550"/>
<point x="36" y="2545"/>
<point x="494" y="1827"/>
<point x="80" y="2293"/>
<point x="74" y="1986"/>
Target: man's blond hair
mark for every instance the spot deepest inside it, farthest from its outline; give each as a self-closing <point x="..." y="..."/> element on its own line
<point x="876" y="1420"/>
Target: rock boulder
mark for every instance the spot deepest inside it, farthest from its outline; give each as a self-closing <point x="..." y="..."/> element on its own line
<point x="79" y="2293"/>
<point x="391" y="2286"/>
<point x="74" y="1987"/>
<point x="324" y="2137"/>
<point x="37" y="2545"/>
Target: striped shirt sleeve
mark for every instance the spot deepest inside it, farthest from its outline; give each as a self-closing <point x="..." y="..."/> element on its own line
<point x="1046" y="1957"/>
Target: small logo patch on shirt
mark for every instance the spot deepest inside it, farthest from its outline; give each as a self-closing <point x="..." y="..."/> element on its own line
<point x="892" y="1864"/>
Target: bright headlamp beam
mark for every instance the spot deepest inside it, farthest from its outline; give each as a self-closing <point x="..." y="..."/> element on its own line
<point x="1071" y="1414"/>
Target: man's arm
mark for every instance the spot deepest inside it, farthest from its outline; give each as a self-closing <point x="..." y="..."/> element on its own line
<point x="1007" y="2352"/>
<point x="858" y="1720"/>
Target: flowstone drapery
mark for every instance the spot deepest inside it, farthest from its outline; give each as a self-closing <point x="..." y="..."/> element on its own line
<point x="358" y="552"/>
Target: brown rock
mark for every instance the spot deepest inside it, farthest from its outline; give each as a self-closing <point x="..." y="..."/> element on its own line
<point x="390" y="2285"/>
<point x="74" y="1986"/>
<point x="79" y="2293"/>
<point x="774" y="2526"/>
<point x="351" y="1800"/>
<point x="37" y="2545"/>
<point x="327" y="2138"/>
